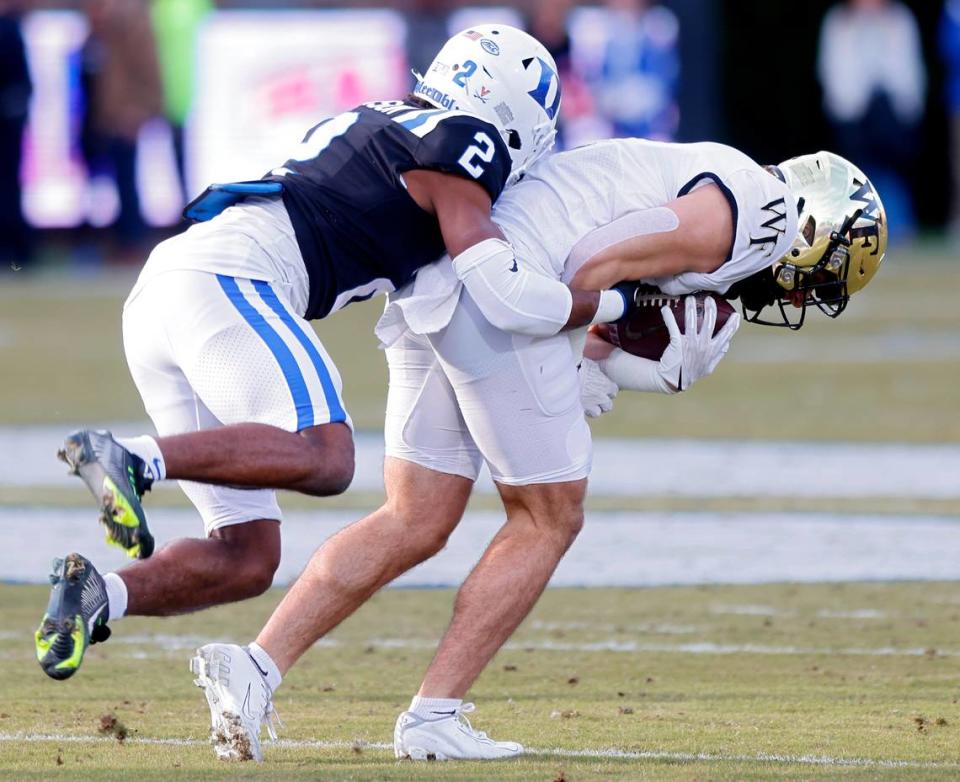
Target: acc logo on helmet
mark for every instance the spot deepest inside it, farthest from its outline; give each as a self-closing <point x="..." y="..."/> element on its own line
<point x="490" y="47"/>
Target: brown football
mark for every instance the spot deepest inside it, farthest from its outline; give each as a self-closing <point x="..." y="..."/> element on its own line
<point x="643" y="333"/>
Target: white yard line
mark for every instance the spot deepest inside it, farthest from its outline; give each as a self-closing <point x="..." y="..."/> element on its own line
<point x="595" y="754"/>
<point x="693" y="647"/>
<point x="167" y="644"/>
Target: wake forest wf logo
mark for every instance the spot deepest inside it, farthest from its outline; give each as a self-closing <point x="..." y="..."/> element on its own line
<point x="776" y="225"/>
<point x="868" y="224"/>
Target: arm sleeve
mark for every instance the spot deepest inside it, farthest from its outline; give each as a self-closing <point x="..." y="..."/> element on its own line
<point x="510" y="296"/>
<point x="466" y="146"/>
<point x="634" y="373"/>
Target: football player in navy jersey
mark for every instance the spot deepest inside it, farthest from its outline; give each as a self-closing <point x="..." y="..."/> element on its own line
<point x="241" y="391"/>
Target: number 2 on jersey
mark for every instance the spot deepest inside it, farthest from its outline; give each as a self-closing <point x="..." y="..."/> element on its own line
<point x="482" y="150"/>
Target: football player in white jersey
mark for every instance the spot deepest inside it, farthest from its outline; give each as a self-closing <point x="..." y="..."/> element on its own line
<point x="685" y="218"/>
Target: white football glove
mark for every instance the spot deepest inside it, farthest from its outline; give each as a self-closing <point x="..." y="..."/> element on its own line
<point x="597" y="391"/>
<point x="696" y="353"/>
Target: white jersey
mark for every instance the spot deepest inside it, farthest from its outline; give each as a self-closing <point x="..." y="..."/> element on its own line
<point x="568" y="195"/>
<point x="251" y="240"/>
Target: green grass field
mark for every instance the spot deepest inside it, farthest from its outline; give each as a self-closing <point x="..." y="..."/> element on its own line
<point x="800" y="682"/>
<point x="62" y="359"/>
<point x="765" y="682"/>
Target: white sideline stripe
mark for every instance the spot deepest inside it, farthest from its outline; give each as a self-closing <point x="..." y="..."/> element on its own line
<point x="168" y="643"/>
<point x="762" y="757"/>
<point x="694" y="647"/>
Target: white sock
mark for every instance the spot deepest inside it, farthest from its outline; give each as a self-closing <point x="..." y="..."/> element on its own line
<point x="147" y="449"/>
<point x="431" y="707"/>
<point x="265" y="663"/>
<point x="116" y="595"/>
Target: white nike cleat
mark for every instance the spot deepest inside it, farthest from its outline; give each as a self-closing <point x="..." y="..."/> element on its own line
<point x="239" y="700"/>
<point x="447" y="737"/>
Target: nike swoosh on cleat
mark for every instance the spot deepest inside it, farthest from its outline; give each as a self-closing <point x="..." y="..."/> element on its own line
<point x="245" y="708"/>
<point x="94" y="617"/>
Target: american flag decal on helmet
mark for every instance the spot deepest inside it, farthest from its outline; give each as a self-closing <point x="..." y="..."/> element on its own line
<point x="473" y="35"/>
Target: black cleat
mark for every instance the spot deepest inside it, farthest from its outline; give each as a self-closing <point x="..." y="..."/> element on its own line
<point x="76" y="616"/>
<point x="117" y="479"/>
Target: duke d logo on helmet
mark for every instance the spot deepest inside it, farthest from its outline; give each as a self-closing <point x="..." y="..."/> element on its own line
<point x="541" y="94"/>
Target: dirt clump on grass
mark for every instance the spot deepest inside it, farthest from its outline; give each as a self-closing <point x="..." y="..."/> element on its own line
<point x="111" y="726"/>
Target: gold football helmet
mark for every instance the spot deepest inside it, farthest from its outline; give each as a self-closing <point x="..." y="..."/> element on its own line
<point x="840" y="244"/>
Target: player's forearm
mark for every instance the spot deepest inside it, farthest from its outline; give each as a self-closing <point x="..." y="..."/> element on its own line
<point x="583" y="308"/>
<point x="590" y="307"/>
<point x="690" y="234"/>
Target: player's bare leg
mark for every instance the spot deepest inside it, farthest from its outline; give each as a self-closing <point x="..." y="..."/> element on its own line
<point x="542" y="522"/>
<point x="421" y="510"/>
<point x="238" y="561"/>
<point x="317" y="461"/>
<point x="235" y="563"/>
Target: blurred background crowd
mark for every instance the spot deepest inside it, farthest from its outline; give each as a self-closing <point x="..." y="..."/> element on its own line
<point x="113" y="113"/>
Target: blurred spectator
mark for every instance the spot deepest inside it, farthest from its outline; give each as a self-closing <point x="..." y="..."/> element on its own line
<point x="549" y="24"/>
<point x="15" y="89"/>
<point x="426" y="31"/>
<point x="176" y="24"/>
<point x="640" y="70"/>
<point x="950" y="51"/>
<point x="122" y="85"/>
<point x="873" y="78"/>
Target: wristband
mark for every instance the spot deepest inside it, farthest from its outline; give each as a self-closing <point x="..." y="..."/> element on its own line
<point x="612" y="306"/>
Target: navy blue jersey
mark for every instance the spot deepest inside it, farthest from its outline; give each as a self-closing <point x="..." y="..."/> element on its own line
<point x="359" y="230"/>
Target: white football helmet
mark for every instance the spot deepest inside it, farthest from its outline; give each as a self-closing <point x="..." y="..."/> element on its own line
<point x="503" y="76"/>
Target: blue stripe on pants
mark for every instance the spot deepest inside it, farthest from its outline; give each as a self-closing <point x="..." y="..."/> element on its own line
<point x="334" y="405"/>
<point x="288" y="364"/>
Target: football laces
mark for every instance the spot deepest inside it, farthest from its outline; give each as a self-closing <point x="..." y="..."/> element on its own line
<point x="656" y="299"/>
